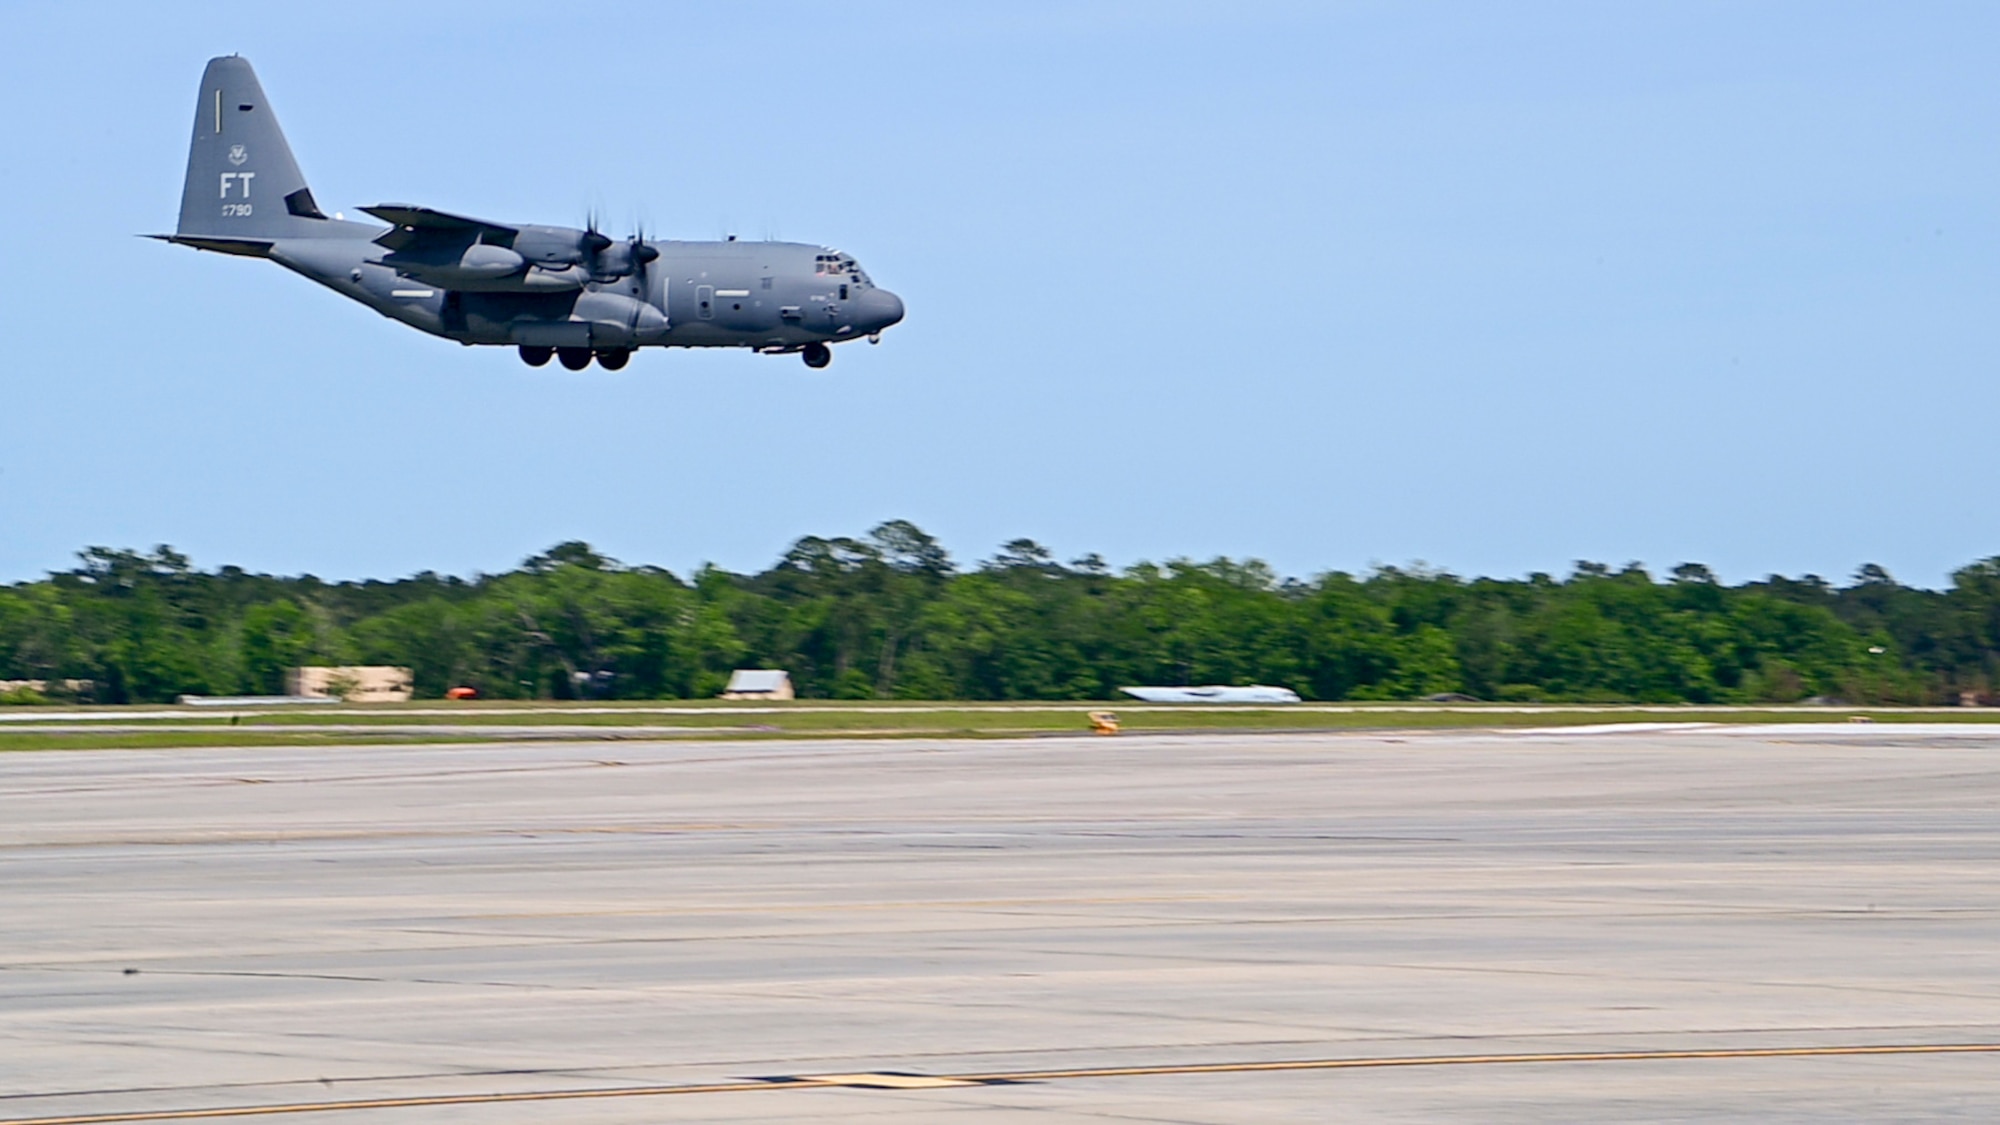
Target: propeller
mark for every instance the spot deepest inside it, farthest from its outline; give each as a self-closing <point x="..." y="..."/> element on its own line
<point x="592" y="243"/>
<point x="643" y="253"/>
<point x="633" y="258"/>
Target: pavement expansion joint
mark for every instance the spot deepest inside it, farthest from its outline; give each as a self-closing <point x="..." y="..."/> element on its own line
<point x="889" y="1080"/>
<point x="898" y="1080"/>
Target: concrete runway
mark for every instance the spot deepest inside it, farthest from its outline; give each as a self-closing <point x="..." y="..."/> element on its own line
<point x="1714" y="924"/>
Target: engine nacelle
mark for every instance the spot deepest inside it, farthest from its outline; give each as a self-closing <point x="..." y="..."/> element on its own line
<point x="481" y="262"/>
<point x="458" y="269"/>
<point x="483" y="268"/>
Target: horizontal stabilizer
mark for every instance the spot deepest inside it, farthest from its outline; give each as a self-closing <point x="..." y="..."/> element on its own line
<point x="242" y="247"/>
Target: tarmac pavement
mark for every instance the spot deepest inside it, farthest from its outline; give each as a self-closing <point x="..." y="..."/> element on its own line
<point x="1781" y="923"/>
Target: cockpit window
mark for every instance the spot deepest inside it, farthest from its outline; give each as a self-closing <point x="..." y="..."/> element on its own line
<point x="833" y="263"/>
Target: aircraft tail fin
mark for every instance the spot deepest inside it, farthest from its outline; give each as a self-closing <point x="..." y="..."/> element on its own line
<point x="242" y="183"/>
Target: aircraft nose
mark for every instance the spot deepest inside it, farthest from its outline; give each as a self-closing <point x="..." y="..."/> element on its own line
<point x="879" y="309"/>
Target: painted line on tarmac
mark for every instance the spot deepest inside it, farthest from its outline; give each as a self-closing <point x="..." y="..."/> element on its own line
<point x="1379" y="1062"/>
<point x="404" y="1103"/>
<point x="907" y="1081"/>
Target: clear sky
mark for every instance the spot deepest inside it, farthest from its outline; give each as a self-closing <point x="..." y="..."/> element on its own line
<point x="1492" y="286"/>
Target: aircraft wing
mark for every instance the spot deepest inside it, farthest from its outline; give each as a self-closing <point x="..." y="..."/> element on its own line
<point x="412" y="224"/>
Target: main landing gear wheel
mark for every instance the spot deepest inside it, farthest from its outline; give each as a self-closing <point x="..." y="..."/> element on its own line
<point x="576" y="359"/>
<point x="817" y="355"/>
<point x="535" y="356"/>
<point x="611" y="359"/>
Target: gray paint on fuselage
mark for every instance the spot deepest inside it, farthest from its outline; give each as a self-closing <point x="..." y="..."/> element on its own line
<point x="752" y="285"/>
<point x="750" y="315"/>
<point x="243" y="194"/>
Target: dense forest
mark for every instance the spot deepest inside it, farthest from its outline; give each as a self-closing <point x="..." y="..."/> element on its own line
<point x="891" y="615"/>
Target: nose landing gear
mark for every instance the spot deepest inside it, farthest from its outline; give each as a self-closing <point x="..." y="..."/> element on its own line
<point x="817" y="355"/>
<point x="534" y="356"/>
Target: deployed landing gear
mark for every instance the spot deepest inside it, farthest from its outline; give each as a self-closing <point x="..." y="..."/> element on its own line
<point x="576" y="359"/>
<point x="611" y="359"/>
<point x="535" y="356"/>
<point x="817" y="355"/>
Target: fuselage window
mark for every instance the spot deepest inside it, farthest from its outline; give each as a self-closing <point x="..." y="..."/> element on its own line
<point x="843" y="292"/>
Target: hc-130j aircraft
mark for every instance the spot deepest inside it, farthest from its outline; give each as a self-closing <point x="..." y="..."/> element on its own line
<point x="550" y="291"/>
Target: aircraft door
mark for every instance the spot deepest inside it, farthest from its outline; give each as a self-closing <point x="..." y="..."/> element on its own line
<point x="704" y="302"/>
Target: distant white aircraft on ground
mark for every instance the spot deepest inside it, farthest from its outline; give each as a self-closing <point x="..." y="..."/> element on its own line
<point x="1255" y="693"/>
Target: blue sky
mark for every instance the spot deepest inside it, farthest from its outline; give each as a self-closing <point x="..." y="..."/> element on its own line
<point x="1490" y="286"/>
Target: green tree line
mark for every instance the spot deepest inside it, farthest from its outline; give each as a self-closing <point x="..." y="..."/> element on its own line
<point x="890" y="615"/>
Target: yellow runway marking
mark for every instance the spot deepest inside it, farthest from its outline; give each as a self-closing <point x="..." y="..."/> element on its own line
<point x="1472" y="1060"/>
<point x="911" y="1081"/>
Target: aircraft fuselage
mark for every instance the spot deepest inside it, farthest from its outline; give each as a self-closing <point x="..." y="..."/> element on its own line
<point x="548" y="290"/>
<point x="775" y="296"/>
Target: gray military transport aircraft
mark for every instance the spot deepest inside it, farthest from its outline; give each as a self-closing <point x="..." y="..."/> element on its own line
<point x="550" y="291"/>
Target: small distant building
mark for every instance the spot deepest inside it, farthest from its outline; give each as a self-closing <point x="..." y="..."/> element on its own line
<point x="354" y="683"/>
<point x="46" y="687"/>
<point x="759" y="683"/>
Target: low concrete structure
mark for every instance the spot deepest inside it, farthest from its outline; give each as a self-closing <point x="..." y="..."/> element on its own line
<point x="354" y="683"/>
<point x="1213" y="693"/>
<point x="759" y="683"/>
<point x="258" y="700"/>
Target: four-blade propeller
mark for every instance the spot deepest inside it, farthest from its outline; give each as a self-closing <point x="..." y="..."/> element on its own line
<point x="606" y="259"/>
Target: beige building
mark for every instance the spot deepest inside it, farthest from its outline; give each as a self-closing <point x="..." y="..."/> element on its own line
<point x="758" y="683"/>
<point x="71" y="686"/>
<point x="355" y="683"/>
